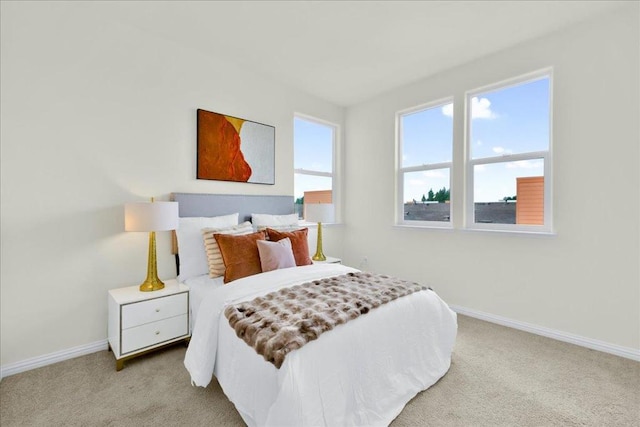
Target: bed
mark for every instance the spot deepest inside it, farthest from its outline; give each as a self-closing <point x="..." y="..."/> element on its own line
<point x="362" y="372"/>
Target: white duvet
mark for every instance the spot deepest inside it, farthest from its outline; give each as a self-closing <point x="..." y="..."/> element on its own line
<point x="361" y="373"/>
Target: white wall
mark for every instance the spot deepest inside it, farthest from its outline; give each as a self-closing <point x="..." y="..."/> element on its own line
<point x="95" y="114"/>
<point x="583" y="281"/>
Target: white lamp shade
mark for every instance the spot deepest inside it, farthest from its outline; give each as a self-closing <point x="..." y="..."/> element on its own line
<point x="319" y="212"/>
<point x="151" y="216"/>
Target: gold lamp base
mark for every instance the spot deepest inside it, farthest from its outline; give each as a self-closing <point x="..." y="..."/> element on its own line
<point x="152" y="285"/>
<point x="319" y="255"/>
<point x="152" y="282"/>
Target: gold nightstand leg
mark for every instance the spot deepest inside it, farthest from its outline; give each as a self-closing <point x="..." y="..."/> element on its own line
<point x="119" y="364"/>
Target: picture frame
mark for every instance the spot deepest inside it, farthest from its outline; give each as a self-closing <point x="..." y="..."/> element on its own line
<point x="234" y="149"/>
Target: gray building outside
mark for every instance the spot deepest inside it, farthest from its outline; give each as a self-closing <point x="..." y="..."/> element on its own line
<point x="493" y="212"/>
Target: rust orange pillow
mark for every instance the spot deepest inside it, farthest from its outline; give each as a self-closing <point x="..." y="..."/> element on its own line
<point x="299" y="243"/>
<point x="240" y="254"/>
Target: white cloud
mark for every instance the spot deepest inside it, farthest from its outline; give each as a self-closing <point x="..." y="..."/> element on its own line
<point x="317" y="166"/>
<point x="526" y="164"/>
<point x="434" y="174"/>
<point x="480" y="168"/>
<point x="416" y="182"/>
<point x="501" y="150"/>
<point x="447" y="110"/>
<point x="481" y="109"/>
<point x="479" y="142"/>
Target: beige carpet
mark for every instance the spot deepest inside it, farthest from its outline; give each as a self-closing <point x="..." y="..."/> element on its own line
<point x="499" y="377"/>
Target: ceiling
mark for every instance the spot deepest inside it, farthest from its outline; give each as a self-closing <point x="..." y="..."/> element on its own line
<point x="349" y="51"/>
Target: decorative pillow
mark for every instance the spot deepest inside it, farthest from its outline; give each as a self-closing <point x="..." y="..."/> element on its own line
<point x="240" y="254"/>
<point x="277" y="222"/>
<point x="214" y="257"/>
<point x="193" y="259"/>
<point x="276" y="255"/>
<point x="298" y="243"/>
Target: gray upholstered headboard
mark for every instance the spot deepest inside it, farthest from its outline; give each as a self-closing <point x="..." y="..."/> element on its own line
<point x="208" y="205"/>
<point x="195" y="204"/>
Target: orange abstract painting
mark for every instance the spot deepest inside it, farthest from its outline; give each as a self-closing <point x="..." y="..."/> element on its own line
<point x="233" y="149"/>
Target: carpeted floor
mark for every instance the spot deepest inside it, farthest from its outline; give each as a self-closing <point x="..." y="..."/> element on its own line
<point x="499" y="377"/>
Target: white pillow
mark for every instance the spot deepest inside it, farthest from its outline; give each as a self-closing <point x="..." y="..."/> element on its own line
<point x="277" y="222"/>
<point x="214" y="257"/>
<point x="193" y="258"/>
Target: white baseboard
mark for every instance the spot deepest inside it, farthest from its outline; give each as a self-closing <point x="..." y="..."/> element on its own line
<point x="48" y="359"/>
<point x="626" y="352"/>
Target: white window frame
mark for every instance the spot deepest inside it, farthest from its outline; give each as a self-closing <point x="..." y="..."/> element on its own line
<point x="401" y="171"/>
<point x="470" y="163"/>
<point x="335" y="132"/>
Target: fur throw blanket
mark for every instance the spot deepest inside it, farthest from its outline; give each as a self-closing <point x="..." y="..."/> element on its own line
<point x="287" y="319"/>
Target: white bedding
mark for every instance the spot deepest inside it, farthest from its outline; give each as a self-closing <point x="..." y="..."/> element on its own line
<point x="360" y="373"/>
<point x="199" y="288"/>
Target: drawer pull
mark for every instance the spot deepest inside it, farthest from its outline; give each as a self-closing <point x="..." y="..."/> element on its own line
<point x="157" y="310"/>
<point x="157" y="332"/>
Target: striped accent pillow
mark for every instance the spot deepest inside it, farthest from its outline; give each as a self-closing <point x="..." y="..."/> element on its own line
<point x="214" y="257"/>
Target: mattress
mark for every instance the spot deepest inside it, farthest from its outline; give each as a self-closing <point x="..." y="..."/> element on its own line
<point x="360" y="373"/>
<point x="199" y="288"/>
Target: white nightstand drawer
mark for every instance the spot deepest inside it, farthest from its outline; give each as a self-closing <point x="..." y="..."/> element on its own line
<point x="154" y="333"/>
<point x="153" y="310"/>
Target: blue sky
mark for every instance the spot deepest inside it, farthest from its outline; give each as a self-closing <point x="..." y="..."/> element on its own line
<point x="312" y="151"/>
<point x="509" y="121"/>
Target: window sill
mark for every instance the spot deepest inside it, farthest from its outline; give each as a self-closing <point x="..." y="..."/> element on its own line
<point x="447" y="227"/>
<point x="510" y="232"/>
<point x="450" y="228"/>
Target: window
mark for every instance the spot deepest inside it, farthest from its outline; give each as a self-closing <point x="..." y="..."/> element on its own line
<point x="508" y="165"/>
<point x="425" y="147"/>
<point x="500" y="159"/>
<point x="314" y="149"/>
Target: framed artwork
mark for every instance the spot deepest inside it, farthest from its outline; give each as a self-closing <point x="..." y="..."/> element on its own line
<point x="233" y="149"/>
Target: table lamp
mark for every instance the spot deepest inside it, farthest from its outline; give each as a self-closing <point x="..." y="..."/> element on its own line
<point x="319" y="212"/>
<point x="151" y="216"/>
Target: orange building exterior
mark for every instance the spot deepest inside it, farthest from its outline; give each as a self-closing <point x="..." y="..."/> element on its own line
<point x="530" y="200"/>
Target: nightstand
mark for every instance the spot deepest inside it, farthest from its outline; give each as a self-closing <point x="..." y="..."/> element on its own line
<point x="329" y="260"/>
<point x="143" y="321"/>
